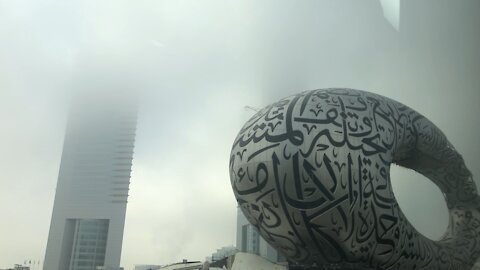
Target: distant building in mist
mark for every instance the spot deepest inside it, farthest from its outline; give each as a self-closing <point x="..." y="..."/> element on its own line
<point x="222" y="253"/>
<point x="18" y="267"/>
<point x="250" y="241"/>
<point x="147" y="267"/>
<point x="86" y="229"/>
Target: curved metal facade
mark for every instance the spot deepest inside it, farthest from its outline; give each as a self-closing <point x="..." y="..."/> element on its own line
<point x="311" y="172"/>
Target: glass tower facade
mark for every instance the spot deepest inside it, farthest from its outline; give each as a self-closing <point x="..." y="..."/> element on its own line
<point x="250" y="241"/>
<point x="89" y="244"/>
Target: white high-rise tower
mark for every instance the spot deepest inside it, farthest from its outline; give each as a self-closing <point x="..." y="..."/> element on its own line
<point x="86" y="229"/>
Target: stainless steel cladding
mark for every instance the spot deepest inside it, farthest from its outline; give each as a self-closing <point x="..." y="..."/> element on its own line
<point x="312" y="173"/>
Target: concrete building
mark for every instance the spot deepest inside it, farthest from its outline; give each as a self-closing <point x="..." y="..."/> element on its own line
<point x="222" y="253"/>
<point x="246" y="261"/>
<point x="86" y="229"/>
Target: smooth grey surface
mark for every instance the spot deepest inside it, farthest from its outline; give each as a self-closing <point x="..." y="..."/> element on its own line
<point x="312" y="172"/>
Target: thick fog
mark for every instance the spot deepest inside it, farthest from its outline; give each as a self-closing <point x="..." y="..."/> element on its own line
<point x="194" y="66"/>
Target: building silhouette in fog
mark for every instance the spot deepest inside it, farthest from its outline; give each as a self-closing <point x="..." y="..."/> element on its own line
<point x="86" y="229"/>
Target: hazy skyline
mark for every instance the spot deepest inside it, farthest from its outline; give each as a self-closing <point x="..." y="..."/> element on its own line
<point x="197" y="66"/>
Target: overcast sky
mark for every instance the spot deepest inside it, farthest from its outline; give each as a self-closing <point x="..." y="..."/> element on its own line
<point x="197" y="64"/>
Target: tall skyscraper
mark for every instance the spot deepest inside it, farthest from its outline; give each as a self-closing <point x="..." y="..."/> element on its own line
<point x="86" y="229"/>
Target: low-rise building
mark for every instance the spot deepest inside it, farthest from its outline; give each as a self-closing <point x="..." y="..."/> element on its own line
<point x="18" y="267"/>
<point x="222" y="253"/>
<point x="185" y="265"/>
<point x="147" y="267"/>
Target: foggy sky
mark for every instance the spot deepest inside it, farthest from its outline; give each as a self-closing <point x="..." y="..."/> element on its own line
<point x="197" y="64"/>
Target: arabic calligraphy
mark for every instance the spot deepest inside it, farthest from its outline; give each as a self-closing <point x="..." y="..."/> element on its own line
<point x="312" y="173"/>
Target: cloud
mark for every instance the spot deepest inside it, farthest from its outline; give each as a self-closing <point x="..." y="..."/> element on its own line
<point x="197" y="66"/>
